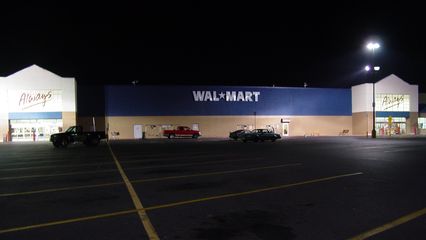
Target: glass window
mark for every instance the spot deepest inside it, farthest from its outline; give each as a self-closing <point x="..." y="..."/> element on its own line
<point x="394" y="119"/>
<point x="422" y="123"/>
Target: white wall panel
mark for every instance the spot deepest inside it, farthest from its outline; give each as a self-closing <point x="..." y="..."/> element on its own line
<point x="3" y="103"/>
<point x="35" y="78"/>
<point x="362" y="98"/>
<point x="362" y="95"/>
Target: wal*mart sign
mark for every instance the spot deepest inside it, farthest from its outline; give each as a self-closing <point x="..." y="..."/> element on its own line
<point x="227" y="96"/>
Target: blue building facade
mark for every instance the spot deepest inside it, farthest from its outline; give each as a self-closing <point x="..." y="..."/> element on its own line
<point x="226" y="101"/>
<point x="217" y="110"/>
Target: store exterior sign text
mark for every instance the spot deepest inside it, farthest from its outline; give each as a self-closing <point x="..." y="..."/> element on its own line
<point x="35" y="100"/>
<point x="227" y="96"/>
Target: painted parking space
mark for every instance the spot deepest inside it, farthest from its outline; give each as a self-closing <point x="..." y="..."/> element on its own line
<point x="216" y="182"/>
<point x="139" y="209"/>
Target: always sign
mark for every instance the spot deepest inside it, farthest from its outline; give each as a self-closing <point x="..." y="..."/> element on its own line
<point x="28" y="99"/>
<point x="228" y="96"/>
<point x="35" y="100"/>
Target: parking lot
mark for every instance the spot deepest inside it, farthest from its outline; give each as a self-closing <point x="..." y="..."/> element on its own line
<point x="295" y="188"/>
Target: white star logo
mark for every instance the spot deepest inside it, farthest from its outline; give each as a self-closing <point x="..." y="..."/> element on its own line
<point x="222" y="95"/>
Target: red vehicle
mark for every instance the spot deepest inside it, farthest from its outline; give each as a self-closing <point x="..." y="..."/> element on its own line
<point x="181" y="131"/>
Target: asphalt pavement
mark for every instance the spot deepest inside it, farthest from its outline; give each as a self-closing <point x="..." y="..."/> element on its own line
<point x="294" y="188"/>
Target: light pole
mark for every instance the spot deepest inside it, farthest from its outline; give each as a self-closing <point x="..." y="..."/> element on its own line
<point x="254" y="113"/>
<point x="373" y="132"/>
<point x="372" y="46"/>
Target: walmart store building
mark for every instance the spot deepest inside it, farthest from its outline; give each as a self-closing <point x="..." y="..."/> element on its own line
<point x="36" y="103"/>
<point x="144" y="111"/>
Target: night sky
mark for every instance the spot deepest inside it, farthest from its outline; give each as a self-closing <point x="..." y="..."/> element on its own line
<point x="257" y="43"/>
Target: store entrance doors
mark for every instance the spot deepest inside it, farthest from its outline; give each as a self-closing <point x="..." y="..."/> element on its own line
<point x="34" y="129"/>
<point x="395" y="126"/>
<point x="286" y="129"/>
<point x="137" y="131"/>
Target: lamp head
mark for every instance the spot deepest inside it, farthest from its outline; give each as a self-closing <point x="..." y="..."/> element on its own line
<point x="373" y="46"/>
<point x="367" y="68"/>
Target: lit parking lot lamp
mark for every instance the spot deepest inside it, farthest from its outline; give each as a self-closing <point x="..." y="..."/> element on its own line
<point x="372" y="46"/>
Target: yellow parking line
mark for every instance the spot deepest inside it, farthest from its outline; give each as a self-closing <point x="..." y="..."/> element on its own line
<point x="60" y="189"/>
<point x="251" y="192"/>
<point x="191" y="164"/>
<point x="152" y="234"/>
<point x="99" y="163"/>
<point x="58" y="174"/>
<point x="223" y="196"/>
<point x="38" y="161"/>
<point x="215" y="173"/>
<point x="114" y="170"/>
<point x="148" y="180"/>
<point x="56" y="166"/>
<point x="73" y="220"/>
<point x="172" y="157"/>
<point x="390" y="225"/>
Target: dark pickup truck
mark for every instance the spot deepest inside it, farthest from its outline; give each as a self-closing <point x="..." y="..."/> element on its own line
<point x="75" y="134"/>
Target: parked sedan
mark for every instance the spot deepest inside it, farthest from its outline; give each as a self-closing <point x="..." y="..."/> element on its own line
<point x="259" y="135"/>
<point x="236" y="134"/>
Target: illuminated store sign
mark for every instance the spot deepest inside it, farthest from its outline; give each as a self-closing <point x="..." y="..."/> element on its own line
<point x="35" y="100"/>
<point x="227" y="96"/>
<point x="28" y="100"/>
<point x="393" y="102"/>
